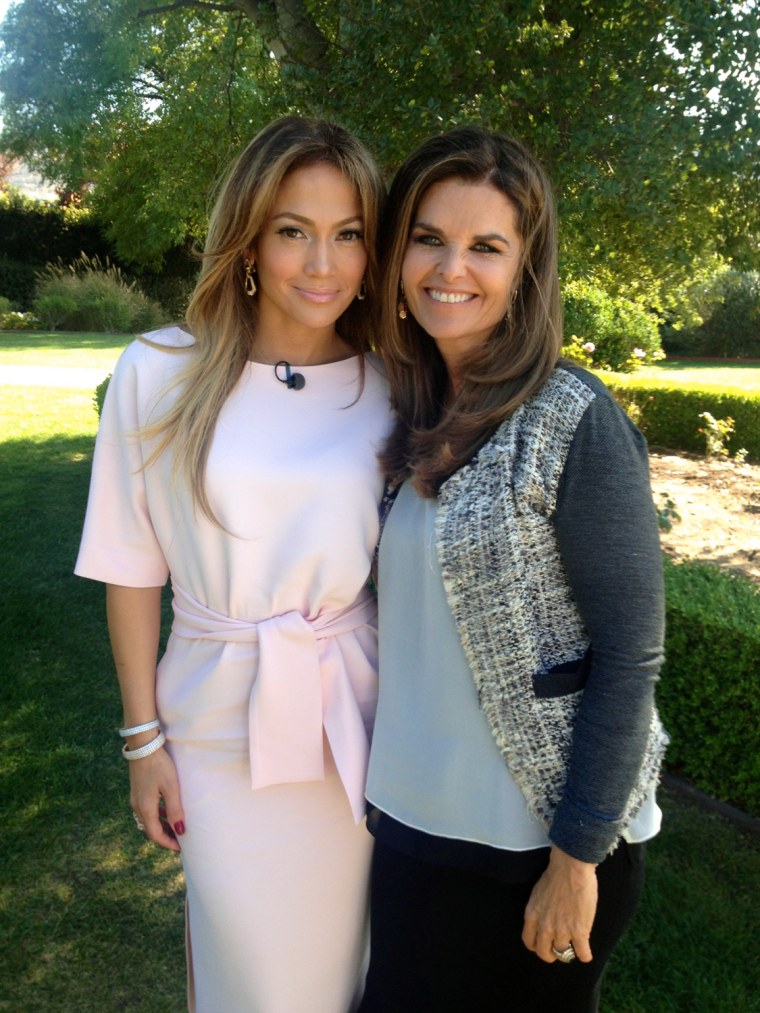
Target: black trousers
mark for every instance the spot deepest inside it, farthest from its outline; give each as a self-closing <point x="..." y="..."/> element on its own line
<point x="444" y="940"/>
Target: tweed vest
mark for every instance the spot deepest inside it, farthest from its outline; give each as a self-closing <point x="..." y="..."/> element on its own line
<point x="509" y="595"/>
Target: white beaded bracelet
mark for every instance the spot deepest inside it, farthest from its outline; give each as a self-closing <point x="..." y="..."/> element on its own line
<point x="124" y="732"/>
<point x="151" y="747"/>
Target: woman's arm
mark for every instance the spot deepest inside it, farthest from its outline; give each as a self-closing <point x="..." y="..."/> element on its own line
<point x="609" y="542"/>
<point x="134" y="624"/>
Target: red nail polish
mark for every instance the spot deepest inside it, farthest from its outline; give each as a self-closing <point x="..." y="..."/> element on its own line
<point x="179" y="828"/>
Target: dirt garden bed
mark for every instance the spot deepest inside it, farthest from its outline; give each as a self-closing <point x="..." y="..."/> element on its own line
<point x="719" y="505"/>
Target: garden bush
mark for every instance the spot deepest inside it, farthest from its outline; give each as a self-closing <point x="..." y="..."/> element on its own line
<point x="733" y="328"/>
<point x="17" y="281"/>
<point x="669" y="417"/>
<point x="622" y="333"/>
<point x="90" y="296"/>
<point x="725" y="317"/>
<point x="709" y="692"/>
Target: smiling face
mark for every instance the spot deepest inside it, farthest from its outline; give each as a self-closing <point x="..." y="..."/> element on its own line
<point x="461" y="265"/>
<point x="310" y="259"/>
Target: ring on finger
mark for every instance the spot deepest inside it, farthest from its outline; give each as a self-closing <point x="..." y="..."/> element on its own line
<point x="567" y="955"/>
<point x="138" y="822"/>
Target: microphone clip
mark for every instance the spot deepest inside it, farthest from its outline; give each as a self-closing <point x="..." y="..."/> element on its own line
<point x="293" y="381"/>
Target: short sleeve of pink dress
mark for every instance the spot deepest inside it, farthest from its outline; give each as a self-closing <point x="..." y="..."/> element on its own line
<point x="268" y="686"/>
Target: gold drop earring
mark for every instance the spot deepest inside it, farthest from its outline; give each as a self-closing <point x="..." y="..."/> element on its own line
<point x="250" y="282"/>
<point x="403" y="309"/>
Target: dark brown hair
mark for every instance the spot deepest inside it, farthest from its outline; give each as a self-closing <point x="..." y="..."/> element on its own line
<point x="436" y="434"/>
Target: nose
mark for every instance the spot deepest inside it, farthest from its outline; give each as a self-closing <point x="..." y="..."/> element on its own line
<point x="320" y="261"/>
<point x="451" y="262"/>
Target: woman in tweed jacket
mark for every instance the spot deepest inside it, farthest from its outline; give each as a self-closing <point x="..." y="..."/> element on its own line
<point x="517" y="745"/>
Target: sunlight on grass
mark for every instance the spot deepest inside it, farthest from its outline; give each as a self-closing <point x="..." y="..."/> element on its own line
<point x="733" y="379"/>
<point x="42" y="413"/>
<point x="33" y="348"/>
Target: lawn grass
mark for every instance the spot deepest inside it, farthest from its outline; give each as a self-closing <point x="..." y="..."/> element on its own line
<point x="91" y="917"/>
<point x="61" y="348"/>
<point x="704" y="374"/>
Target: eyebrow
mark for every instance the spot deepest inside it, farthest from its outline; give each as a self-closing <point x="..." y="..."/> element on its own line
<point x="487" y="238"/>
<point x="308" y="221"/>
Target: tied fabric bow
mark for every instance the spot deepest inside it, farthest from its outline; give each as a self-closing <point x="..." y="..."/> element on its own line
<point x="301" y="687"/>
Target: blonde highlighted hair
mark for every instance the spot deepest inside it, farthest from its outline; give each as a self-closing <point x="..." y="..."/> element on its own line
<point x="437" y="431"/>
<point x="221" y="317"/>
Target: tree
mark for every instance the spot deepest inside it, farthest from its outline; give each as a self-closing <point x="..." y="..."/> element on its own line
<point x="644" y="111"/>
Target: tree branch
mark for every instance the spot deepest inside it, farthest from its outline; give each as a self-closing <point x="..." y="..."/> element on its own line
<point x="290" y="31"/>
<point x="179" y="4"/>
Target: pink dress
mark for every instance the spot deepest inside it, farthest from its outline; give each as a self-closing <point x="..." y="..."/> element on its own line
<point x="268" y="686"/>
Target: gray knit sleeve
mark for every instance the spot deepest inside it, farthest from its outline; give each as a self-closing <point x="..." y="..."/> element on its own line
<point x="609" y="542"/>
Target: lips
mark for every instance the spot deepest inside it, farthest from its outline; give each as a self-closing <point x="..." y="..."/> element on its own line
<point x="451" y="298"/>
<point x="318" y="295"/>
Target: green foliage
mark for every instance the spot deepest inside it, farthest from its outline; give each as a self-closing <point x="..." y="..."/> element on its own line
<point x="669" y="417"/>
<point x="13" y="320"/>
<point x="732" y="330"/>
<point x="715" y="432"/>
<point x="717" y="314"/>
<point x="34" y="232"/>
<point x="667" y="513"/>
<point x="643" y="113"/>
<point x="617" y="334"/>
<point x="709" y="692"/>
<point x="17" y="280"/>
<point x="88" y="295"/>
<point x="100" y="395"/>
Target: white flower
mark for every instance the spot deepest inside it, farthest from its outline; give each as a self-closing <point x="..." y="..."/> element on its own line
<point x="639" y="353"/>
<point x="589" y="347"/>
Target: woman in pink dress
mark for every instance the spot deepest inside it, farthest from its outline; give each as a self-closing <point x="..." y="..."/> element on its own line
<point x="237" y="454"/>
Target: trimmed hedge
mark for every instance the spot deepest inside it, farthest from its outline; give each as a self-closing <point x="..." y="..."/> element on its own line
<point x="709" y="692"/>
<point x="669" y="416"/>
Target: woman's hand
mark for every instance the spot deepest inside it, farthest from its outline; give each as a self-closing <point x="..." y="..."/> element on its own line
<point x="152" y="779"/>
<point x="561" y="908"/>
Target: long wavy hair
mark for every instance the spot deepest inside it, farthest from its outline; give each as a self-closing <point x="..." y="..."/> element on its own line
<point x="438" y="430"/>
<point x="221" y="317"/>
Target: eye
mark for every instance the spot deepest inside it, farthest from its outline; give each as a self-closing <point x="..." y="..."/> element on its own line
<point x="351" y="235"/>
<point x="426" y="239"/>
<point x="485" y="248"/>
<point x="290" y="232"/>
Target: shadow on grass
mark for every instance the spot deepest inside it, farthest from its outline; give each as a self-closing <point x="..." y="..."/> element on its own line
<point x="92" y="916"/>
<point x="19" y="341"/>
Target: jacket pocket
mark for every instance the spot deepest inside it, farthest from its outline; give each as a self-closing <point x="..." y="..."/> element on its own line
<point x="561" y="680"/>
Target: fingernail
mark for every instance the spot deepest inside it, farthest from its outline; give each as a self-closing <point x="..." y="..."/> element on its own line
<point x="179" y="828"/>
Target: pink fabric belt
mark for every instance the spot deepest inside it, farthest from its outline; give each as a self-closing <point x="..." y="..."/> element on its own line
<point x="301" y="686"/>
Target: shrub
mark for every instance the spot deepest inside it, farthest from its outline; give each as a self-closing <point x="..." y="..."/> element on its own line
<point x="669" y="417"/>
<point x="709" y="693"/>
<point x="17" y="281"/>
<point x="90" y="296"/>
<point x="733" y="328"/>
<point x="100" y="395"/>
<point x="721" y="316"/>
<point x="12" y="320"/>
<point x="622" y="332"/>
